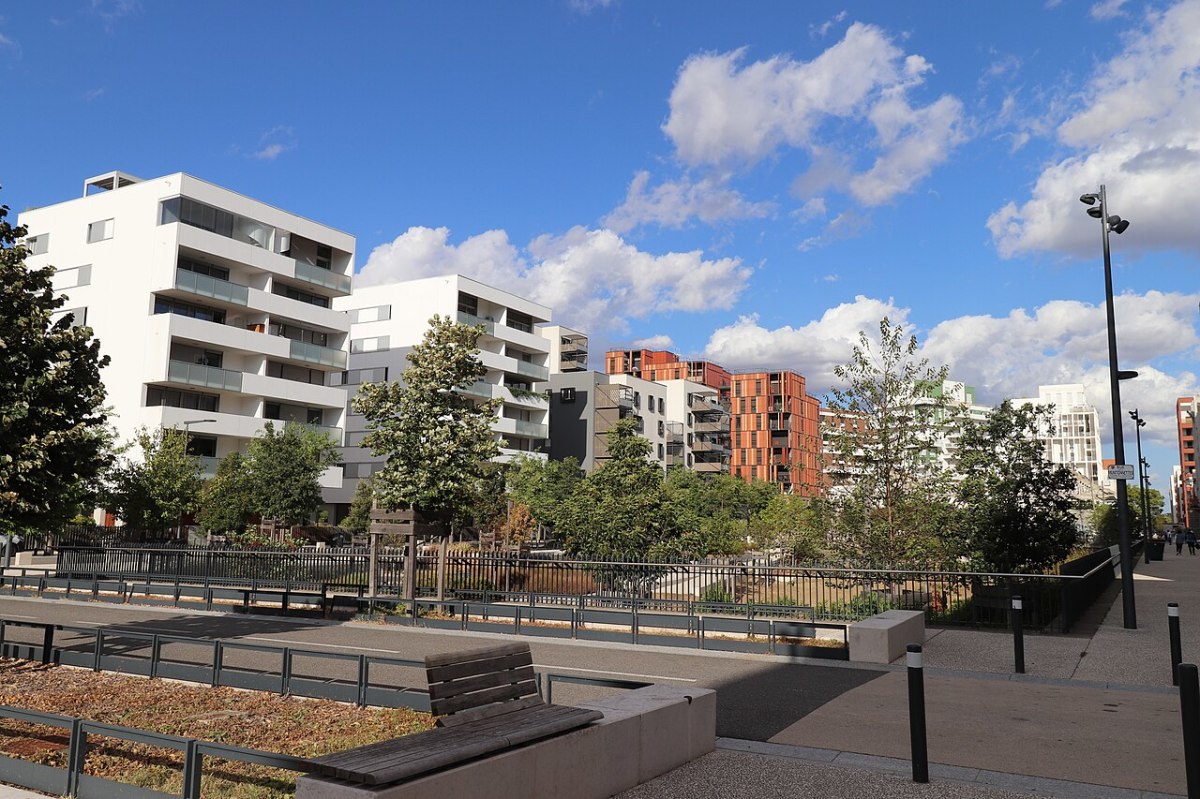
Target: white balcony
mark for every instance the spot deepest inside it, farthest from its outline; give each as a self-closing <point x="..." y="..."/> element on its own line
<point x="194" y="374"/>
<point x="520" y="429"/>
<point x="294" y="392"/>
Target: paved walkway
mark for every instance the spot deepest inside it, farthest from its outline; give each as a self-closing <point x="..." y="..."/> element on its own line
<point x="1094" y="716"/>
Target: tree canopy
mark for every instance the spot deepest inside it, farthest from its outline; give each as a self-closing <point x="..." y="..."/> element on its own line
<point x="435" y="438"/>
<point x="153" y="493"/>
<point x="53" y="439"/>
<point x="285" y="468"/>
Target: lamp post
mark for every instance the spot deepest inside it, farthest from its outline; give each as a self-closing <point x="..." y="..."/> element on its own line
<point x="1139" y="423"/>
<point x="1146" y="499"/>
<point x="186" y="424"/>
<point x="1118" y="226"/>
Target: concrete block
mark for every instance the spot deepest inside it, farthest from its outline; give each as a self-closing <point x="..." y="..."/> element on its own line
<point x="883" y="637"/>
<point x="599" y="760"/>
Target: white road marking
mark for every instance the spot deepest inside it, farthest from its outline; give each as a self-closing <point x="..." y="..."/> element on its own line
<point x="19" y="616"/>
<point x="617" y="673"/>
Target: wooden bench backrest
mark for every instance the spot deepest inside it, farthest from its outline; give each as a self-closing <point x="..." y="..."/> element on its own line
<point x="481" y="683"/>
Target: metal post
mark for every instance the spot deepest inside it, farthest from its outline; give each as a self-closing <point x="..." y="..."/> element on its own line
<point x="1018" y="629"/>
<point x="1189" y="709"/>
<point x="1176" y="646"/>
<point x="1128" y="608"/>
<point x="916" y="713"/>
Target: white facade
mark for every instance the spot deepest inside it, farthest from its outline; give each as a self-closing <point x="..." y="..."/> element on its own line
<point x="387" y="321"/>
<point x="1076" y="438"/>
<point x="214" y="308"/>
<point x="703" y="424"/>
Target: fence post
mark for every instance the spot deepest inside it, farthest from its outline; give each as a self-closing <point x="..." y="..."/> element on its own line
<point x="1176" y="645"/>
<point x="48" y="645"/>
<point x="76" y="752"/>
<point x="1189" y="709"/>
<point x="364" y="676"/>
<point x="191" y="771"/>
<point x="916" y="713"/>
<point x="99" y="649"/>
<point x="1018" y="629"/>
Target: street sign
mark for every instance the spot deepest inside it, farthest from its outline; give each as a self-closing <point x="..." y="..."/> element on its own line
<point x="1121" y="472"/>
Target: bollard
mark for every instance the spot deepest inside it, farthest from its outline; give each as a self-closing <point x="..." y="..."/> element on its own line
<point x="916" y="713"/>
<point x="1176" y="646"/>
<point x="1189" y="709"/>
<point x="1018" y="635"/>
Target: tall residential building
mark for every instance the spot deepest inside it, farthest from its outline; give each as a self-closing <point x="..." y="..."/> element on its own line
<point x="387" y="321"/>
<point x="1187" y="509"/>
<point x="214" y="308"/>
<point x="775" y="431"/>
<point x="584" y="406"/>
<point x="699" y="422"/>
<point x="1075" y="441"/>
<point x="660" y="365"/>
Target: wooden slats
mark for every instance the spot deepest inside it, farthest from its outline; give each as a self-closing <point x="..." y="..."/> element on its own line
<point x="486" y="701"/>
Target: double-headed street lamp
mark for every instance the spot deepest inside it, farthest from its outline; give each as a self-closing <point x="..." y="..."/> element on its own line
<point x="1118" y="226"/>
<point x="1139" y="423"/>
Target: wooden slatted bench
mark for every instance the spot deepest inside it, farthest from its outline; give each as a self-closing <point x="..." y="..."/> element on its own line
<point x="486" y="701"/>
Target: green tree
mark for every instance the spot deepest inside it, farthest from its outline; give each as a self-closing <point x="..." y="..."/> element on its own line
<point x="543" y="486"/>
<point x="53" y="440"/>
<point x="152" y="494"/>
<point x="435" y="439"/>
<point x="714" y="512"/>
<point x="889" y="416"/>
<point x="792" y="523"/>
<point x="1016" y="504"/>
<point x="285" y="469"/>
<point x="620" y="509"/>
<point x="1104" y="517"/>
<point x="358" y="521"/>
<point x="227" y="500"/>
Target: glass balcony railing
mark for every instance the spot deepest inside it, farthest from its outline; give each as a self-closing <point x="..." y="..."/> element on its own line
<point x="489" y="325"/>
<point x="206" y="286"/>
<point x="208" y="466"/>
<point x="319" y="276"/>
<point x="478" y="389"/>
<point x="195" y="374"/>
<point x="532" y="370"/>
<point x="314" y="353"/>
<point x="531" y="429"/>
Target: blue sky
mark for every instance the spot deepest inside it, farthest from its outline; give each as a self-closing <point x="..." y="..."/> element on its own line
<point x="753" y="183"/>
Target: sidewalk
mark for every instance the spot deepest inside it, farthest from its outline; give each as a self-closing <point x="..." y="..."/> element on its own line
<point x="1092" y="717"/>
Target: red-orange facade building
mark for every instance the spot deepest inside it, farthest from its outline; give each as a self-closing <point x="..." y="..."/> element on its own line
<point x="1187" y="510"/>
<point x="774" y="423"/>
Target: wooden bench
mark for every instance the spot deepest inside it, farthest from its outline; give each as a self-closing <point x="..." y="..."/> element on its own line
<point x="486" y="701"/>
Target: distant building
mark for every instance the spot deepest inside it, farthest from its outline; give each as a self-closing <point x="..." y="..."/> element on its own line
<point x="1075" y="440"/>
<point x="1187" y="503"/>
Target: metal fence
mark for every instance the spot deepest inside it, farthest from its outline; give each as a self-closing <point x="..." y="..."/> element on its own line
<point x="826" y="592"/>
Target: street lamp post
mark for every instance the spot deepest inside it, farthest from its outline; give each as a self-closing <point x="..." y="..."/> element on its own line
<point x="1117" y="225"/>
<point x="186" y="424"/>
<point x="1146" y="499"/>
<point x="1139" y="423"/>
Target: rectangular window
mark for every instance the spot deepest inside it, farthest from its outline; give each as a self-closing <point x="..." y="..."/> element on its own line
<point x="377" y="313"/>
<point x="520" y="321"/>
<point x="302" y="334"/>
<point x="300" y="374"/>
<point x="324" y="256"/>
<point x="299" y="294"/>
<point x="661" y="405"/>
<point x="205" y="217"/>
<point x="173" y="398"/>
<point x="78" y="316"/>
<point x="660" y="452"/>
<point x="73" y="278"/>
<point x="468" y="303"/>
<point x="202" y="446"/>
<point x="168" y="305"/>
<point x="376" y="344"/>
<point x="354" y="377"/>
<point x="38" y="245"/>
<point x="219" y="272"/>
<point x="567" y="395"/>
<point x="100" y="231"/>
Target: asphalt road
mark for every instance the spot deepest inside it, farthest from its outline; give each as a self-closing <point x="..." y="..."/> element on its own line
<point x="757" y="695"/>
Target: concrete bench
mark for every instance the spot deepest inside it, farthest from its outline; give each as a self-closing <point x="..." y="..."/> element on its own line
<point x="883" y="637"/>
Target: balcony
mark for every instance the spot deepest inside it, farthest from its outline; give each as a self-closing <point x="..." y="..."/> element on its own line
<point x="314" y="353"/>
<point x="478" y="389"/>
<point x="531" y="370"/>
<point x="721" y="426"/>
<point x="573" y="361"/>
<point x="194" y="374"/>
<point x="319" y="276"/>
<point x="532" y="429"/>
<point x="205" y="286"/>
<point x="489" y="325"/>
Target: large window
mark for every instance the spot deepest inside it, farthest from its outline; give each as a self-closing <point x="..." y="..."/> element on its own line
<point x="38" y="245"/>
<point x="300" y="374"/>
<point x="296" y="333"/>
<point x="219" y="272"/>
<point x="205" y="217"/>
<point x="100" y="231"/>
<point x="168" y="305"/>
<point x="292" y="293"/>
<point x="173" y="398"/>
<point x="354" y="377"/>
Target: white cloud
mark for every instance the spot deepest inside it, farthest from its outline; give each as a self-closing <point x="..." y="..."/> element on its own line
<point x="731" y="116"/>
<point x="1133" y="129"/>
<point x="593" y="279"/>
<point x="660" y="342"/>
<point x="275" y="142"/>
<point x="588" y="6"/>
<point x="673" y="203"/>
<point x="1107" y="9"/>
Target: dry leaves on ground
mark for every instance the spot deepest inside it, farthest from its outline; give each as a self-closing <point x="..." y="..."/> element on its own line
<point x="249" y="719"/>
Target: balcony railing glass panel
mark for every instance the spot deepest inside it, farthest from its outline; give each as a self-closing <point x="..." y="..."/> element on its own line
<point x="195" y="374"/>
<point x="206" y="286"/>
<point x="319" y="276"/>
<point x="314" y="353"/>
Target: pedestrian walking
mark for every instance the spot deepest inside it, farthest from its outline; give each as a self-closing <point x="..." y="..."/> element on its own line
<point x="1179" y="542"/>
<point x="1190" y="538"/>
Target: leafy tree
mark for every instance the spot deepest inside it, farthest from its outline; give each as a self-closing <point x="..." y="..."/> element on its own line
<point x="889" y="416"/>
<point x="151" y="495"/>
<point x="1104" y="516"/>
<point x="285" y="468"/>
<point x="358" y="521"/>
<point x="792" y="523"/>
<point x="53" y="439"/>
<point x="543" y="486"/>
<point x="435" y="439"/>
<point x="1016" y="504"/>
<point x="227" y="500"/>
<point x="714" y="512"/>
<point x="620" y="509"/>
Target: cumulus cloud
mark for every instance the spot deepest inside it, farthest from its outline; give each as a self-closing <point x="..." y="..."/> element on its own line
<point x="731" y="115"/>
<point x="673" y="203"/>
<point x="275" y="142"/>
<point x="594" y="279"/>
<point x="1106" y="9"/>
<point x="1134" y="130"/>
<point x="660" y="342"/>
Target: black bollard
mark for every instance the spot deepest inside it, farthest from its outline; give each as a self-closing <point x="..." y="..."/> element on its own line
<point x="1018" y="635"/>
<point x="1189" y="709"/>
<point x="1176" y="646"/>
<point x="916" y="713"/>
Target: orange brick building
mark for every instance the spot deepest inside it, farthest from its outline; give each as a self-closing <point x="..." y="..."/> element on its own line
<point x="774" y="423"/>
<point x="1187" y="510"/>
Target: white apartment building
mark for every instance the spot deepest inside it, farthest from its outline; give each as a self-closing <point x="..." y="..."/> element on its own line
<point x="1076" y="438"/>
<point x="215" y="309"/>
<point x="387" y="321"/>
<point x="696" y="416"/>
